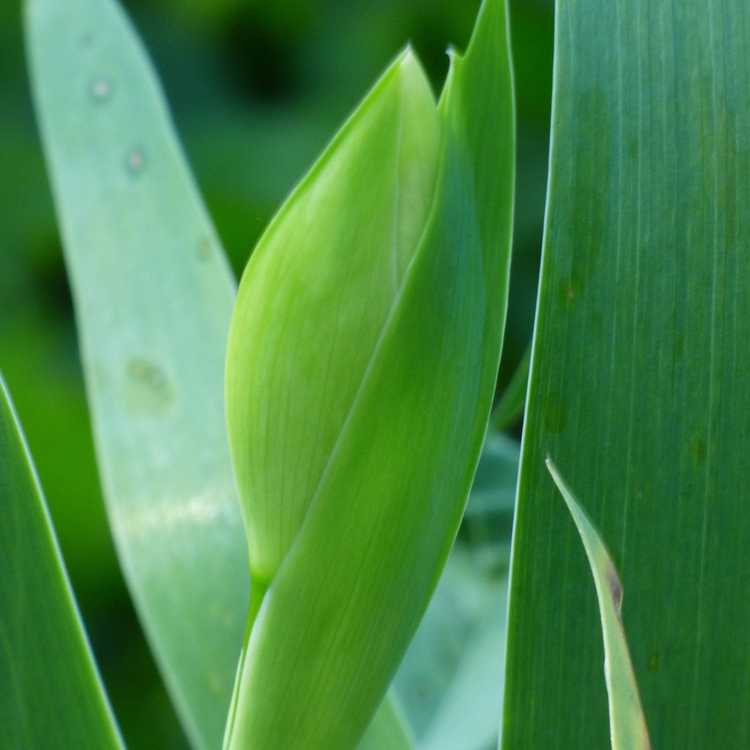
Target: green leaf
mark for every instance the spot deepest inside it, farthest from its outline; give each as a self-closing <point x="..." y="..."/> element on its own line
<point x="627" y="724"/>
<point x="51" y="696"/>
<point x="638" y="379"/>
<point x="510" y="406"/>
<point x="388" y="729"/>
<point x="153" y="296"/>
<point x="360" y="376"/>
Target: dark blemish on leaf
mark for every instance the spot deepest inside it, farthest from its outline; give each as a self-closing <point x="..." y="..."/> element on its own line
<point x="615" y="588"/>
<point x="654" y="662"/>
<point x="86" y="40"/>
<point x="569" y="293"/>
<point x="135" y="162"/>
<point x="698" y="450"/>
<point x="204" y="249"/>
<point x="149" y="389"/>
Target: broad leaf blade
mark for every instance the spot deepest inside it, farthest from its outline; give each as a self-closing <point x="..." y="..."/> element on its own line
<point x="627" y="724"/>
<point x="153" y="297"/>
<point x="637" y="381"/>
<point x="50" y="693"/>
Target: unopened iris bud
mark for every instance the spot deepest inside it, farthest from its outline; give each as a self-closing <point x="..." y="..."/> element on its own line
<point x="361" y="367"/>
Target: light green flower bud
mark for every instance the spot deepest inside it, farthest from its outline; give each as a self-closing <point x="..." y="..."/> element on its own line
<point x="361" y="367"/>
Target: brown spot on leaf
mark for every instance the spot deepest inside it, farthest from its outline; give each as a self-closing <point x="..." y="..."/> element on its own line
<point x="698" y="451"/>
<point x="654" y="662"/>
<point x="204" y="249"/>
<point x="149" y="390"/>
<point x="615" y="588"/>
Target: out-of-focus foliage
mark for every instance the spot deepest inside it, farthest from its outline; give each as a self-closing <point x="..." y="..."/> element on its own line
<point x="257" y="89"/>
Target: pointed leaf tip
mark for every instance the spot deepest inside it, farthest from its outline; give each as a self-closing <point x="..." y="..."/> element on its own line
<point x="628" y="728"/>
<point x="51" y="695"/>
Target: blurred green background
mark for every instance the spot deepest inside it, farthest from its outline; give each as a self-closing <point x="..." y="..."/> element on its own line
<point x="256" y="89"/>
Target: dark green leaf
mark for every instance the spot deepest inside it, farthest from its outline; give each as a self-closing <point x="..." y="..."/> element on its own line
<point x="639" y="380"/>
<point x="510" y="406"/>
<point x="51" y="697"/>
